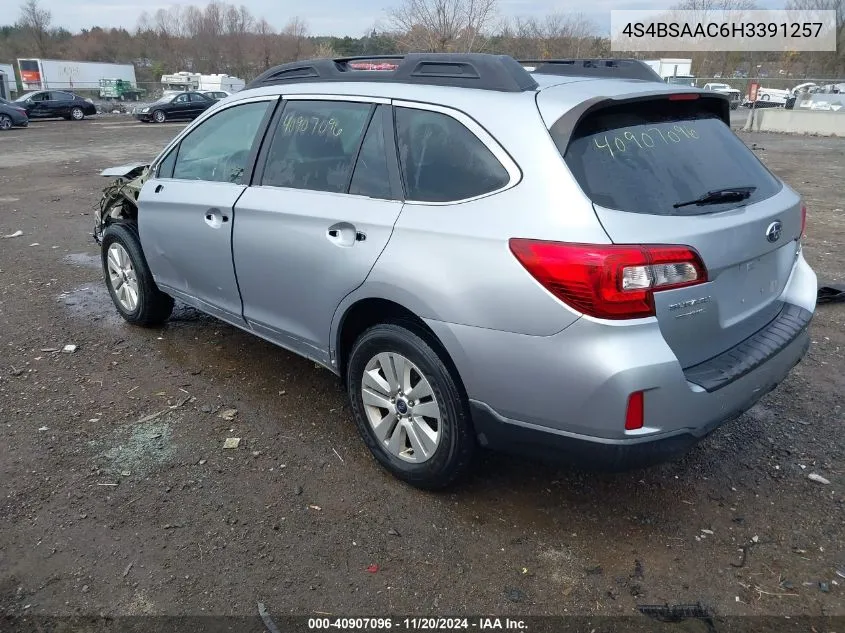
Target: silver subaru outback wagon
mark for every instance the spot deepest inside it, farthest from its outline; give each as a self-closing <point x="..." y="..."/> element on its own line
<point x="567" y="258"/>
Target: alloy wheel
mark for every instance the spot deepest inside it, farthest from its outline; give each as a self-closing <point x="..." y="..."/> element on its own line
<point x="401" y="407"/>
<point x="122" y="277"/>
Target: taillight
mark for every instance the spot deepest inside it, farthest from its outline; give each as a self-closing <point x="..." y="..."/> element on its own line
<point x="803" y="220"/>
<point x="609" y="281"/>
<point x="683" y="96"/>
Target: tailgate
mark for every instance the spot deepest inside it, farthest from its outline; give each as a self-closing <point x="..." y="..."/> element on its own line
<point x="668" y="170"/>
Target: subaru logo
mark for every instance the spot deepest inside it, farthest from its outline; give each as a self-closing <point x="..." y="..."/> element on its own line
<point x="773" y="231"/>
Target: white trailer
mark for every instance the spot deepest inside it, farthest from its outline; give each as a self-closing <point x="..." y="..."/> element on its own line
<point x="185" y="81"/>
<point x="221" y="82"/>
<point x="671" y="67"/>
<point x="8" y="85"/>
<point x="47" y="74"/>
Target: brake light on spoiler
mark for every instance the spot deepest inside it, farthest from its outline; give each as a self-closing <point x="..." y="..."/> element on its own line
<point x="609" y="281"/>
<point x="683" y="96"/>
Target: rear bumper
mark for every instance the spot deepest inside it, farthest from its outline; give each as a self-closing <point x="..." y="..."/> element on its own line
<point x="566" y="395"/>
<point x="499" y="433"/>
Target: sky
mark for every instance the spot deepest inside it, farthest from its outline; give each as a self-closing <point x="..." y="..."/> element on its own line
<point x="324" y="17"/>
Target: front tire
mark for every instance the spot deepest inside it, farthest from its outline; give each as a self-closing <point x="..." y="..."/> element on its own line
<point x="77" y="114"/>
<point x="408" y="406"/>
<point x="159" y="116"/>
<point x="5" y="122"/>
<point x="129" y="280"/>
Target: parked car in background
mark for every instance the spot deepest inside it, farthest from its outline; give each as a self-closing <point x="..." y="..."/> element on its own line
<point x="217" y="95"/>
<point x="12" y="115"/>
<point x="179" y="106"/>
<point x="55" y="104"/>
<point x="651" y="287"/>
<point x="733" y="94"/>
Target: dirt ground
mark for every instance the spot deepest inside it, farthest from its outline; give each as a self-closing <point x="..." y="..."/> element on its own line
<point x="118" y="498"/>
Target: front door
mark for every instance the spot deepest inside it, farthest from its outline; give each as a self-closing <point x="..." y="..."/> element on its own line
<point x="186" y="212"/>
<point x="40" y="105"/>
<point x="180" y="107"/>
<point x="322" y="212"/>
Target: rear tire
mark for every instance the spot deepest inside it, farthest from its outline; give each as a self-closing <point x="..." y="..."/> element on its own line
<point x="424" y="436"/>
<point x="129" y="280"/>
<point x="5" y="122"/>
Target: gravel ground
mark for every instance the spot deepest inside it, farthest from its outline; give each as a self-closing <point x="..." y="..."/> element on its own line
<point x="118" y="497"/>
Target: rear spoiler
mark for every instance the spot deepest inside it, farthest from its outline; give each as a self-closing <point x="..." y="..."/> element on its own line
<point x="563" y="128"/>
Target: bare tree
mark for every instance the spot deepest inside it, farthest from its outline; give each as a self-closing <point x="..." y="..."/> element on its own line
<point x="294" y="39"/>
<point x="443" y="25"/>
<point x="265" y="41"/>
<point x="35" y="22"/>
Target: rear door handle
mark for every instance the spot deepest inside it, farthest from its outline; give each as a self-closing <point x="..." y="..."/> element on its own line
<point x="159" y="188"/>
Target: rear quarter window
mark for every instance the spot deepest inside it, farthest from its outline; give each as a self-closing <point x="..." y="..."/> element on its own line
<point x="648" y="156"/>
<point x="441" y="160"/>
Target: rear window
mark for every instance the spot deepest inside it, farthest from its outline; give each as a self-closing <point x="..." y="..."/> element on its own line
<point x="647" y="157"/>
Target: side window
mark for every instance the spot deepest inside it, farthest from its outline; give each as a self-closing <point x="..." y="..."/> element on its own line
<point x="181" y="99"/>
<point x="61" y="96"/>
<point x="218" y="149"/>
<point x="442" y="160"/>
<point x="198" y="98"/>
<point x="371" y="177"/>
<point x="315" y="145"/>
<point x="165" y="167"/>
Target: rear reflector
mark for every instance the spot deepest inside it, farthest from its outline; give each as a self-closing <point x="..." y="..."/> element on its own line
<point x="684" y="96"/>
<point x="609" y="281"/>
<point x="635" y="414"/>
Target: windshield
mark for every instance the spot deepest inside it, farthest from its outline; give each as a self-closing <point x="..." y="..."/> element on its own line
<point x="647" y="157"/>
<point x="23" y="98"/>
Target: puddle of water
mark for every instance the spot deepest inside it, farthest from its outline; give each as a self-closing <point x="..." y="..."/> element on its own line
<point x="91" y="303"/>
<point x="84" y="260"/>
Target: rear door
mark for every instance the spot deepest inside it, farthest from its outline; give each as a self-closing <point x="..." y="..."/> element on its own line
<point x="640" y="162"/>
<point x="317" y="218"/>
<point x="198" y="104"/>
<point x="60" y="103"/>
<point x="186" y="211"/>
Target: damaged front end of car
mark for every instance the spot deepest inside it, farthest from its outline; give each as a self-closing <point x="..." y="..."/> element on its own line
<point x="119" y="202"/>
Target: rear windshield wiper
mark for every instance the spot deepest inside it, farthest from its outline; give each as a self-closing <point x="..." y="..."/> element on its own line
<point x="729" y="194"/>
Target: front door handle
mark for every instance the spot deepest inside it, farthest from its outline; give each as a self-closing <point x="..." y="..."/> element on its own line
<point x="343" y="234"/>
<point x="215" y="219"/>
<point x="159" y="188"/>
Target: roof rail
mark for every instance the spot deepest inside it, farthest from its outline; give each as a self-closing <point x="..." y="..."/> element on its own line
<point x="465" y="70"/>
<point x="611" y="68"/>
